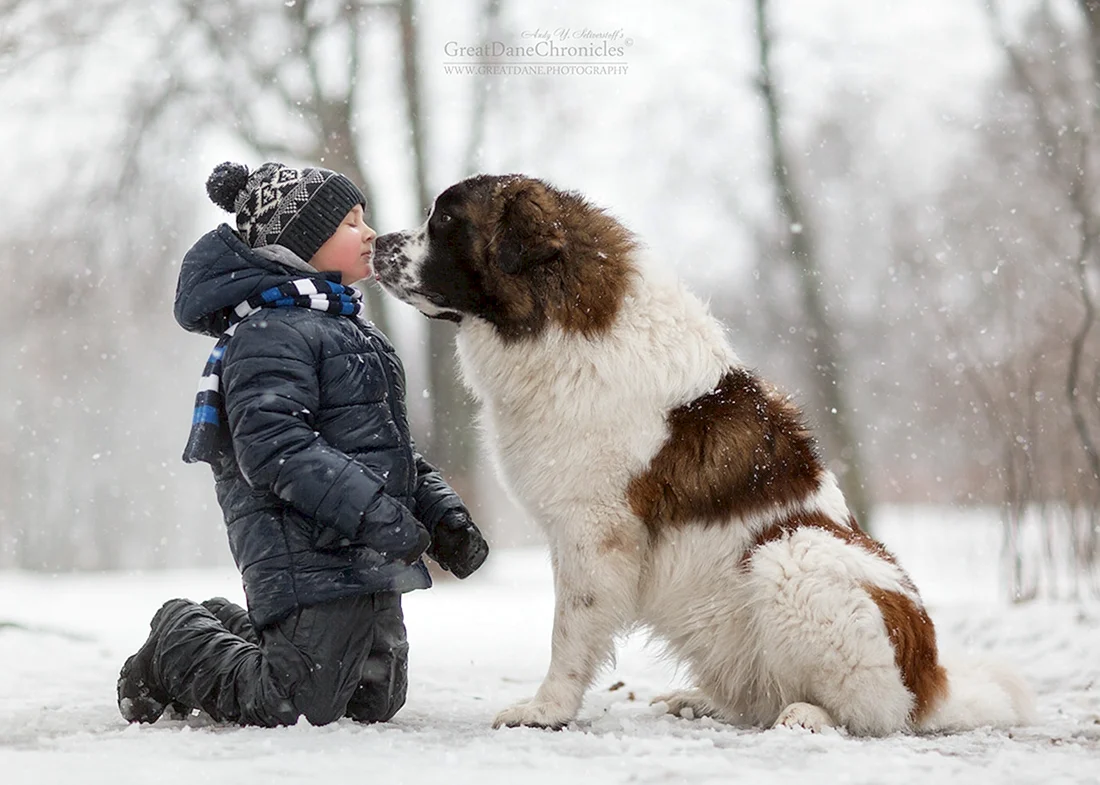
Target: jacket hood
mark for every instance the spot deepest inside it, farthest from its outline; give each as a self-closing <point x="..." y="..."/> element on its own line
<point x="221" y="271"/>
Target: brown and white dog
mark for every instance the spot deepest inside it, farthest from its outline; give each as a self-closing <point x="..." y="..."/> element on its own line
<point x="677" y="490"/>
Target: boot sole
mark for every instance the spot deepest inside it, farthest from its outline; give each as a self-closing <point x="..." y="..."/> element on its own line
<point x="138" y="699"/>
<point x="135" y="699"/>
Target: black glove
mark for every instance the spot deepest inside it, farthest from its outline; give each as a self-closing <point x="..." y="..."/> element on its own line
<point x="458" y="545"/>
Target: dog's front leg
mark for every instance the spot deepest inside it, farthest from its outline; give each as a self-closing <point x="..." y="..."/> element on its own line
<point x="596" y="589"/>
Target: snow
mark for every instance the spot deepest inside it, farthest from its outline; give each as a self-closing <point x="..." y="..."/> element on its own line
<point x="479" y="645"/>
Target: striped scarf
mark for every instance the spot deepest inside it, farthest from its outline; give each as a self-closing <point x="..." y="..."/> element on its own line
<point x="209" y="430"/>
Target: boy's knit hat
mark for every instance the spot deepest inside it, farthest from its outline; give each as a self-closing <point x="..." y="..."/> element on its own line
<point x="298" y="209"/>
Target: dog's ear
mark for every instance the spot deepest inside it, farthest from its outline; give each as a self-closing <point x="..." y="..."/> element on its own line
<point x="530" y="231"/>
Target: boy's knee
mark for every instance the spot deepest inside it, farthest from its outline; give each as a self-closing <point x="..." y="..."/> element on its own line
<point x="377" y="701"/>
<point x="283" y="712"/>
<point x="383" y="685"/>
<point x="320" y="708"/>
<point x="390" y="640"/>
<point x="322" y="714"/>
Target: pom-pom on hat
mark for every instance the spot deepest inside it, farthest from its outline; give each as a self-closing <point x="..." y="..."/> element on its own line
<point x="298" y="209"/>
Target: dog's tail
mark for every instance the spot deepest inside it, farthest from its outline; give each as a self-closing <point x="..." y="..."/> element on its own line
<point x="980" y="694"/>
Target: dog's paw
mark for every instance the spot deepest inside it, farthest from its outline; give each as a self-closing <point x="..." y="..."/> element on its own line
<point x="534" y="714"/>
<point x="804" y="715"/>
<point x="689" y="704"/>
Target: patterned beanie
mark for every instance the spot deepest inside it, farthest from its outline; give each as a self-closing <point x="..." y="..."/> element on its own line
<point x="298" y="209"/>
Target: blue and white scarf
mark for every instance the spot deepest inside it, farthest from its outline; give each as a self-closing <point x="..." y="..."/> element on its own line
<point x="209" y="430"/>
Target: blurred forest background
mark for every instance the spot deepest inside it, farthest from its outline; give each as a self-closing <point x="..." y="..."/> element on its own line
<point x="892" y="205"/>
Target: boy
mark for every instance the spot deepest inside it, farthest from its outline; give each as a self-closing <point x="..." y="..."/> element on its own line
<point x="301" y="414"/>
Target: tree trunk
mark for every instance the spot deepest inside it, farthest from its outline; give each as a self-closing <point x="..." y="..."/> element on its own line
<point x="1087" y="212"/>
<point x="337" y="140"/>
<point x="1091" y="9"/>
<point x="341" y="155"/>
<point x="490" y="18"/>
<point x="836" y="420"/>
<point x="451" y="440"/>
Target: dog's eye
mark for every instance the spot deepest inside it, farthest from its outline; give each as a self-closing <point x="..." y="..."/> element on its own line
<point x="444" y="218"/>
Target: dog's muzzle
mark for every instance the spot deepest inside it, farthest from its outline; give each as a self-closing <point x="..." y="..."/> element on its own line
<point x="387" y="256"/>
<point x="397" y="271"/>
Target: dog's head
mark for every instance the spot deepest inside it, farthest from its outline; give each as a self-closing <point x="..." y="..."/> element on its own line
<point x="513" y="251"/>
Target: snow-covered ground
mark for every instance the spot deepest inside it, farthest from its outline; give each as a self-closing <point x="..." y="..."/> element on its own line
<point x="478" y="645"/>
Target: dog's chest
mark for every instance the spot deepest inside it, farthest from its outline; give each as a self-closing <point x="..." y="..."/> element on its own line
<point x="578" y="448"/>
<point x="559" y="425"/>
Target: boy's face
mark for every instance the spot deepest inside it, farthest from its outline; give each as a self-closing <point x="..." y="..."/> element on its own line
<point x="350" y="249"/>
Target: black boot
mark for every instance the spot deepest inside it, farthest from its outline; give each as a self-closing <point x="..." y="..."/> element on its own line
<point x="141" y="698"/>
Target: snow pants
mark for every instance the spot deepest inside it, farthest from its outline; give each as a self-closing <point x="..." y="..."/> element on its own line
<point x="343" y="658"/>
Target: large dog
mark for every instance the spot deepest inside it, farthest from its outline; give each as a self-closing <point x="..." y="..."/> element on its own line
<point x="677" y="490"/>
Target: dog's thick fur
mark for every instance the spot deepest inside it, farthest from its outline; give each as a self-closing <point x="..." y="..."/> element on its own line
<point x="677" y="490"/>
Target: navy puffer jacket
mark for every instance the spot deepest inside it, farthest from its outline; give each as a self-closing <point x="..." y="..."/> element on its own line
<point x="322" y="489"/>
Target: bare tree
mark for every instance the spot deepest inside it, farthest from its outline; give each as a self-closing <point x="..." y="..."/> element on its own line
<point x="286" y="80"/>
<point x="1069" y="146"/>
<point x="830" y="381"/>
<point x="451" y="442"/>
<point x="78" y="489"/>
<point x="997" y="279"/>
<point x="1084" y="201"/>
<point x="303" y="80"/>
<point x="284" y="93"/>
<point x="490" y="21"/>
